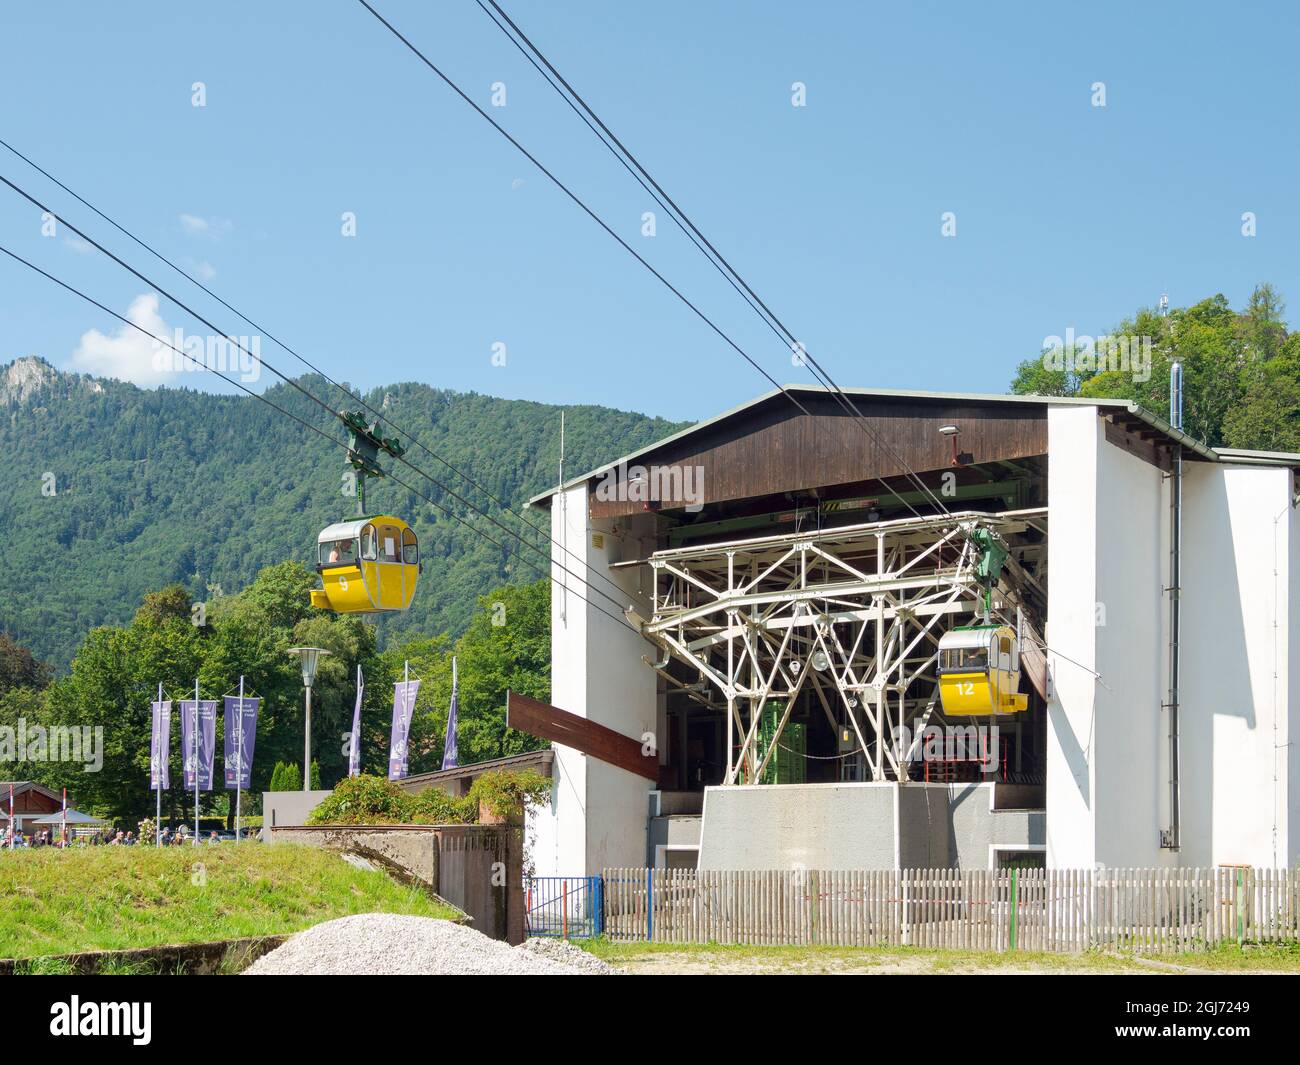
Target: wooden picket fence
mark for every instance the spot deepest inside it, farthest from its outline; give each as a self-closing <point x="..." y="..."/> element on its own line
<point x="1155" y="910"/>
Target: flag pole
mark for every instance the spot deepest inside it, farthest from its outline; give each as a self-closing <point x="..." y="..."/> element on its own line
<point x="239" y="755"/>
<point x="64" y="831"/>
<point x="450" y="754"/>
<point x="157" y="764"/>
<point x="354" y="744"/>
<point x="11" y="817"/>
<point x="196" y="761"/>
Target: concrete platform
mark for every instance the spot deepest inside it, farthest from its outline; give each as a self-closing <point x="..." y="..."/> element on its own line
<point x="864" y="826"/>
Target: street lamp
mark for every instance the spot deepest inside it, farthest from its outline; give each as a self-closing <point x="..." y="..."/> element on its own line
<point x="952" y="432"/>
<point x="307" y="658"/>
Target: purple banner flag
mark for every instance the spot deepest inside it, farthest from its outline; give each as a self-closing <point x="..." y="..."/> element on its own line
<point x="354" y="744"/>
<point x="449" y="752"/>
<point x="241" y="735"/>
<point x="160" y="747"/>
<point x="207" y="741"/>
<point x="403" y="707"/>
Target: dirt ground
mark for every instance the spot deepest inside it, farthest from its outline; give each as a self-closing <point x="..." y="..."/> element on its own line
<point x="793" y="961"/>
<point x="705" y="964"/>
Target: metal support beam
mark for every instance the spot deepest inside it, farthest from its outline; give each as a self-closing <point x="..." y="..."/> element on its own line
<point x="858" y="609"/>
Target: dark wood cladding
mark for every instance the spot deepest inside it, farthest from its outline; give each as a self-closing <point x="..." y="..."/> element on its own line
<point x="774" y="448"/>
<point x="1140" y="440"/>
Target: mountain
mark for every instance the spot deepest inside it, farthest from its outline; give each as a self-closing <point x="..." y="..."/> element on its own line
<point x="113" y="491"/>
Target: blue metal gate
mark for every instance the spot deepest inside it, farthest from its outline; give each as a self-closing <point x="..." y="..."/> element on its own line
<point x="570" y="907"/>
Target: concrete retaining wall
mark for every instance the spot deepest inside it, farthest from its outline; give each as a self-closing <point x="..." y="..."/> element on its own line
<point x="286" y="808"/>
<point x="863" y="826"/>
<point x="477" y="868"/>
<point x="411" y="854"/>
<point x="816" y="826"/>
<point x="977" y="827"/>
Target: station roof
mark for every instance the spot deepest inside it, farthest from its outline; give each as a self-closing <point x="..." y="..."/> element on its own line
<point x="1130" y="412"/>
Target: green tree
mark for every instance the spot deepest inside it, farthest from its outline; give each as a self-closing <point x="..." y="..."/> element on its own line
<point x="505" y="647"/>
<point x="1268" y="417"/>
<point x="286" y="777"/>
<point x="21" y="708"/>
<point x="19" y="668"/>
<point x="1241" y="371"/>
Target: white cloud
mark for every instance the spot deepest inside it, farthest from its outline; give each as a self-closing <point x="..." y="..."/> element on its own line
<point x="212" y="228"/>
<point x="78" y="245"/>
<point x="205" y="270"/>
<point x="126" y="353"/>
<point x="156" y="354"/>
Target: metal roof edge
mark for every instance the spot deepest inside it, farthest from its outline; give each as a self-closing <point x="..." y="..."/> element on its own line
<point x="1247" y="457"/>
<point x="1156" y="422"/>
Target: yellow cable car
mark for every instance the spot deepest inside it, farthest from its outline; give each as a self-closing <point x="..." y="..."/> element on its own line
<point x="979" y="671"/>
<point x="367" y="565"/>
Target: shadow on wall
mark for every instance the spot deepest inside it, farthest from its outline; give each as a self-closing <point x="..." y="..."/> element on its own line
<point x="1215" y="672"/>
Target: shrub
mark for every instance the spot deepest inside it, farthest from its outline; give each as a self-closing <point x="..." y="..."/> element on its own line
<point x="372" y="800"/>
<point x="364" y="800"/>
<point x="433" y="806"/>
<point x="503" y="791"/>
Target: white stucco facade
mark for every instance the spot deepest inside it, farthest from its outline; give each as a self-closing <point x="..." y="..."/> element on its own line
<point x="597" y="817"/>
<point x="1108" y="766"/>
<point x="1239" y="807"/>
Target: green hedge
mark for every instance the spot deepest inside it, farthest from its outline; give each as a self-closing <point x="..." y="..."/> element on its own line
<point x="372" y="800"/>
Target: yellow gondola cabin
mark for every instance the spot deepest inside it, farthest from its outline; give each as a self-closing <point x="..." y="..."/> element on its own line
<point x="979" y="671"/>
<point x="367" y="565"/>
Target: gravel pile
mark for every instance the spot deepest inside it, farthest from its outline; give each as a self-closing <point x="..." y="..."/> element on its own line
<point x="566" y="954"/>
<point x="387" y="944"/>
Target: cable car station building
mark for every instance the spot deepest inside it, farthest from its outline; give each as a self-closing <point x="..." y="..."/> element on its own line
<point x="957" y="630"/>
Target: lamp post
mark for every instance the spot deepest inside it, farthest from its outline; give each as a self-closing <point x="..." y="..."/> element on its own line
<point x="307" y="658"/>
<point x="952" y="432"/>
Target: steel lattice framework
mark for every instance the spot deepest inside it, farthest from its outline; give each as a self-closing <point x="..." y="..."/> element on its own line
<point x="853" y="613"/>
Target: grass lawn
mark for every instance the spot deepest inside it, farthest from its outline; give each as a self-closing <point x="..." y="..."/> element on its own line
<point x="713" y="958"/>
<point x="120" y="898"/>
<point x="1252" y="957"/>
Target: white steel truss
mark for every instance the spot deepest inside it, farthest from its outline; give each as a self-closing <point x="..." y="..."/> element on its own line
<point x="854" y="614"/>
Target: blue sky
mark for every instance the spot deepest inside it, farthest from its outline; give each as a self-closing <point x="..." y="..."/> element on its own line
<point x="1068" y="215"/>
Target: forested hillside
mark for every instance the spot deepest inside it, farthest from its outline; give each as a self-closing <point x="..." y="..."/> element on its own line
<point x="112" y="491"/>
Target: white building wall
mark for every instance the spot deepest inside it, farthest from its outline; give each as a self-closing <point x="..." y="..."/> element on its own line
<point x="598" y="813"/>
<point x="1238" y="542"/>
<point x="1108" y="746"/>
<point x="1106" y="519"/>
<point x="1129" y="737"/>
<point x="1071" y="632"/>
<point x="1287" y="756"/>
